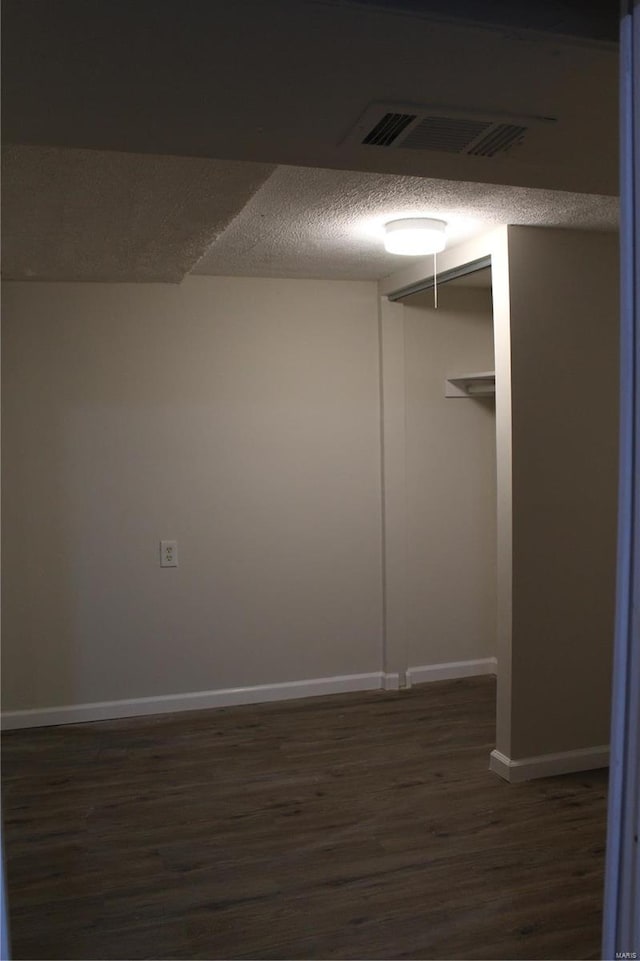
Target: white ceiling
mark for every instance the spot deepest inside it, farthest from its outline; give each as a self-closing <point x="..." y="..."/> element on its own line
<point x="100" y="215"/>
<point x="305" y="222"/>
<point x="104" y="216"/>
<point x="149" y="139"/>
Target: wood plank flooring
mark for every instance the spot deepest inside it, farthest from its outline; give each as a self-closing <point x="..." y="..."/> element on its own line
<point x="354" y="826"/>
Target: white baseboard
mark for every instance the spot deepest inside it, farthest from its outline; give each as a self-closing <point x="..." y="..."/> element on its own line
<point x="198" y="700"/>
<point x="391" y="682"/>
<point x="547" y="765"/>
<point x="450" y="671"/>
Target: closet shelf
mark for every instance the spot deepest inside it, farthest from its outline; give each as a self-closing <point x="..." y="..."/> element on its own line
<point x="481" y="384"/>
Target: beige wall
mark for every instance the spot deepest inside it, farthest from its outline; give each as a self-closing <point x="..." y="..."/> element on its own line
<point x="564" y="357"/>
<point x="451" y="480"/>
<point x="242" y="417"/>
<point x="238" y="416"/>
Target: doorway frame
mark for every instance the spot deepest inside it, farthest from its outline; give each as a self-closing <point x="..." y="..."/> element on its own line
<point x="621" y="921"/>
<point x="490" y="249"/>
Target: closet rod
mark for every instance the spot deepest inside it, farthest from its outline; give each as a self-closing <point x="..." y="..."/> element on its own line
<point x="427" y="282"/>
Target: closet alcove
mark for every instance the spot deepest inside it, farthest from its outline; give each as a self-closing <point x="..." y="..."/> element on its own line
<point x="500" y="499"/>
<point x="451" y="590"/>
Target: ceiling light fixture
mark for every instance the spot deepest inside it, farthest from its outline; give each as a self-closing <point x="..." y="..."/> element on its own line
<point x="415" y="236"/>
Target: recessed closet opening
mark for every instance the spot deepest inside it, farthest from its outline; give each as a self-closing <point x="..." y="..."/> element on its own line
<point x="451" y="475"/>
<point x="549" y="558"/>
<point x="446" y="402"/>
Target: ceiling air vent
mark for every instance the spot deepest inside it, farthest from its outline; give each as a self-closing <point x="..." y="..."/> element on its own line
<point x="444" y="133"/>
<point x="441" y="129"/>
<point x="388" y="128"/>
<point x="501" y="136"/>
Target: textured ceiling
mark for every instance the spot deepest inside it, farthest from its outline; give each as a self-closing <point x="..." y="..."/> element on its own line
<point x="91" y="215"/>
<point x="102" y="216"/>
<point x="306" y="222"/>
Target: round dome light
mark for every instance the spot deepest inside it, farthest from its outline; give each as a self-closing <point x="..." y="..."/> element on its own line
<point x="415" y="236"/>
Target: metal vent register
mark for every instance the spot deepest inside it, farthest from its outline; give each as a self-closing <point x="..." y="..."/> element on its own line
<point x="440" y="129"/>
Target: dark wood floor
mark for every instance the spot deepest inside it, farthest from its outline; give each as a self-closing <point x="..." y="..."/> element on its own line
<point x="354" y="826"/>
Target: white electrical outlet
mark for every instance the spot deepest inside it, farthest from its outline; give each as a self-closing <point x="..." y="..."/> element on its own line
<point x="168" y="553"/>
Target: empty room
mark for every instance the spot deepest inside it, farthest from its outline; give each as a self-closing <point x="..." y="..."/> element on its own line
<point x="309" y="538"/>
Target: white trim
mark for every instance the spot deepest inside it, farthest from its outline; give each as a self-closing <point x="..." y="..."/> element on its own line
<point x="197" y="700"/>
<point x="444" y="672"/>
<point x="394" y="482"/>
<point x="547" y="765"/>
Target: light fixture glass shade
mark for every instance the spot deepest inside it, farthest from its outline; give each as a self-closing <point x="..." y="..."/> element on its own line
<point x="415" y="236"/>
